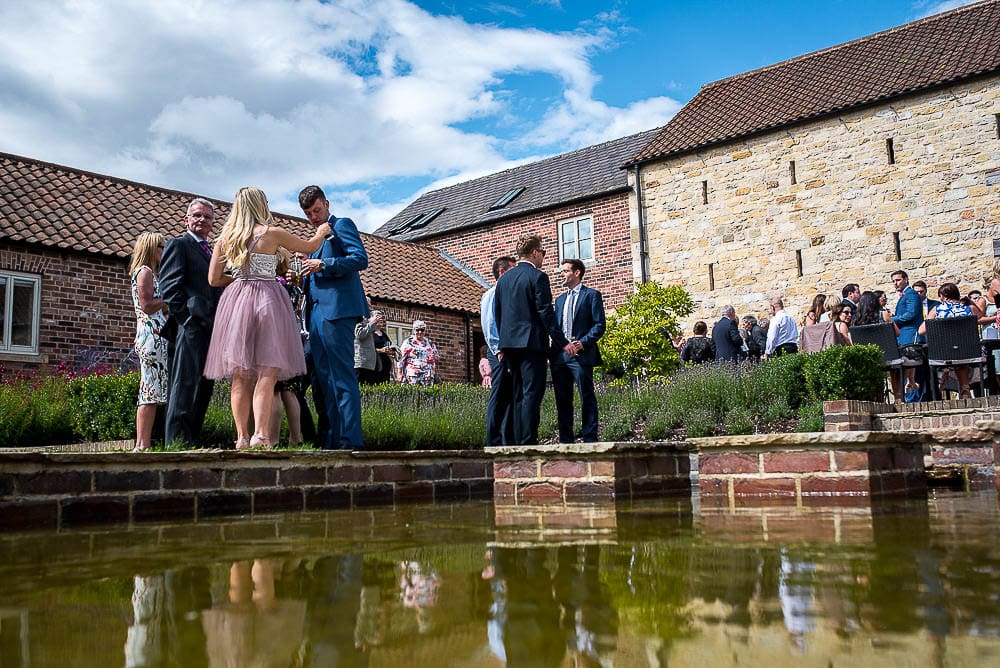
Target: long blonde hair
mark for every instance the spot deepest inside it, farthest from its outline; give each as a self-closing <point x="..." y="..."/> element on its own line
<point x="249" y="209"/>
<point x="144" y="251"/>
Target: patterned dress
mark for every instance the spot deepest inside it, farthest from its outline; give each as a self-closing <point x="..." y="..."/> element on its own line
<point x="418" y="361"/>
<point x="150" y="346"/>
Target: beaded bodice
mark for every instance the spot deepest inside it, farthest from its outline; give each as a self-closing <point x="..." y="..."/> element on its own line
<point x="259" y="265"/>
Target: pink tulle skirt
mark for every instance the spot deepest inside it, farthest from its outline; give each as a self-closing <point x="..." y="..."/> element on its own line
<point x="255" y="330"/>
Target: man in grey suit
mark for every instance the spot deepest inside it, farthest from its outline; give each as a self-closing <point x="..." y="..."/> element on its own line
<point x="192" y="301"/>
<point x="526" y="323"/>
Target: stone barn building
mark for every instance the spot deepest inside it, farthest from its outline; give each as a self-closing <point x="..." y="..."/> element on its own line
<point x="835" y="167"/>
<point x="65" y="242"/>
<point x="579" y="202"/>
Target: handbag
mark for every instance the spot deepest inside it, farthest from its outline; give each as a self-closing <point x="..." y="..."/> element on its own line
<point x="914" y="352"/>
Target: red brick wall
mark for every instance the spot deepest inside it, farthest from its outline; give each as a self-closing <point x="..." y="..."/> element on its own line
<point x="86" y="305"/>
<point x="445" y="328"/>
<point x="610" y="272"/>
<point x="87" y="308"/>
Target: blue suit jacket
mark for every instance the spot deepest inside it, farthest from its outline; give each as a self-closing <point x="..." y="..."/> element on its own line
<point x="522" y="307"/>
<point x="588" y="323"/>
<point x="335" y="291"/>
<point x="909" y="315"/>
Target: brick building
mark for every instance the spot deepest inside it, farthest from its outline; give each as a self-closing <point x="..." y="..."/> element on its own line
<point x="833" y="167"/>
<point x="579" y="202"/>
<point x="65" y="296"/>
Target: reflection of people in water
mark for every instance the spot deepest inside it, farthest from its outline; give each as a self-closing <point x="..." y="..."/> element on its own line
<point x="254" y="628"/>
<point x="144" y="642"/>
<point x="795" y="592"/>
<point x="418" y="589"/>
<point x="531" y="617"/>
<point x="590" y="622"/>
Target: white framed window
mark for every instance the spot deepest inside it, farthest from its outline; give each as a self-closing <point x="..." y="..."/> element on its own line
<point x="398" y="332"/>
<point x="20" y="312"/>
<point x="576" y="238"/>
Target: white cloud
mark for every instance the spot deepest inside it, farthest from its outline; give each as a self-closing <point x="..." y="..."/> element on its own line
<point x="938" y="7"/>
<point x="350" y="94"/>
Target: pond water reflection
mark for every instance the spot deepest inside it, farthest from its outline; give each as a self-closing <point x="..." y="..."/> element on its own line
<point x="644" y="584"/>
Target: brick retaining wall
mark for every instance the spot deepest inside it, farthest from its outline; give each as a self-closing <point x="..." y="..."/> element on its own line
<point x="863" y="464"/>
<point x="42" y="490"/>
<point x="564" y="472"/>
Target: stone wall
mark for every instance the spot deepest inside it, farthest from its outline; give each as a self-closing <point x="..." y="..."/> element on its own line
<point x="610" y="271"/>
<point x="762" y="232"/>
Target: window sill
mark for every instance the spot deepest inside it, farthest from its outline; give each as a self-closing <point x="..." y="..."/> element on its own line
<point x="34" y="358"/>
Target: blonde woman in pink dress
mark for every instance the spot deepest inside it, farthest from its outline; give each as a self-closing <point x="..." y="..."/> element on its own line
<point x="255" y="341"/>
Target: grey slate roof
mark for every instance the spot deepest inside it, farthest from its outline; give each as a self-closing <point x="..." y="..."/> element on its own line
<point x="581" y="174"/>
<point x="935" y="51"/>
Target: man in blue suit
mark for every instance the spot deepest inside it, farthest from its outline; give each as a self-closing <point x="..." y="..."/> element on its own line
<point x="580" y="316"/>
<point x="334" y="303"/>
<point x="909" y="315"/>
<point x="522" y="307"/>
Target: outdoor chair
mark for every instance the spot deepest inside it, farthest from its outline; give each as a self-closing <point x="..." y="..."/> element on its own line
<point x="883" y="335"/>
<point x="954" y="342"/>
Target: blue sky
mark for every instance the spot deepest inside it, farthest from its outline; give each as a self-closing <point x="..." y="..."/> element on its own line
<point x="376" y="100"/>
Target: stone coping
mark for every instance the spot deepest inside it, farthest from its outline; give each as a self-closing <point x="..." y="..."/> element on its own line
<point x="245" y="456"/>
<point x="583" y="449"/>
<point x="814" y="440"/>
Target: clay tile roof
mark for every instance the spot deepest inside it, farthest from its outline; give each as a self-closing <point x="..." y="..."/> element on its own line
<point x="61" y="207"/>
<point x="415" y="274"/>
<point x="569" y="177"/>
<point x="931" y="52"/>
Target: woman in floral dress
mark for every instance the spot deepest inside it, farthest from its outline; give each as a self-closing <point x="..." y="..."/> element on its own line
<point x="419" y="357"/>
<point x="150" y="346"/>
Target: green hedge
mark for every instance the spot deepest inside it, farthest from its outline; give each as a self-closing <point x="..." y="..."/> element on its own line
<point x="704" y="400"/>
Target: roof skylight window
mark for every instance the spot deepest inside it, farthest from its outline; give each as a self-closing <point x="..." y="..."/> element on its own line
<point x="508" y="198"/>
<point x="422" y="222"/>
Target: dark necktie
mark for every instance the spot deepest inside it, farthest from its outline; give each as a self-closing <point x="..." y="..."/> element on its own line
<point x="204" y="247"/>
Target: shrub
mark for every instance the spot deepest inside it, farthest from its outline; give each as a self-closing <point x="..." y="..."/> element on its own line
<point x="700" y="422"/>
<point x="845" y="372"/>
<point x="777" y="380"/>
<point x="409" y="417"/>
<point x="778" y="410"/>
<point x="104" y="406"/>
<point x="15" y="414"/>
<point x="811" y="417"/>
<point x="739" y="420"/>
<point x="637" y="341"/>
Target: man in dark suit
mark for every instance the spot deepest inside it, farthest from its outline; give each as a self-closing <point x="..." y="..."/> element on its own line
<point x="525" y="321"/>
<point x="334" y="303"/>
<point x="726" y="336"/>
<point x="191" y="301"/>
<point x="580" y="316"/>
<point x="851" y="295"/>
<point x="926" y="303"/>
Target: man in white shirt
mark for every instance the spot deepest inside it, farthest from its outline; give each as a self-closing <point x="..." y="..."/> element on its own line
<point x="499" y="420"/>
<point x="782" y="333"/>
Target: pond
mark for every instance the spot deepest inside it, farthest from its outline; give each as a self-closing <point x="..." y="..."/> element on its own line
<point x="665" y="583"/>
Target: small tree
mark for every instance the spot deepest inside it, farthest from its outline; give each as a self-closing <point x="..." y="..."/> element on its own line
<point x="637" y="341"/>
